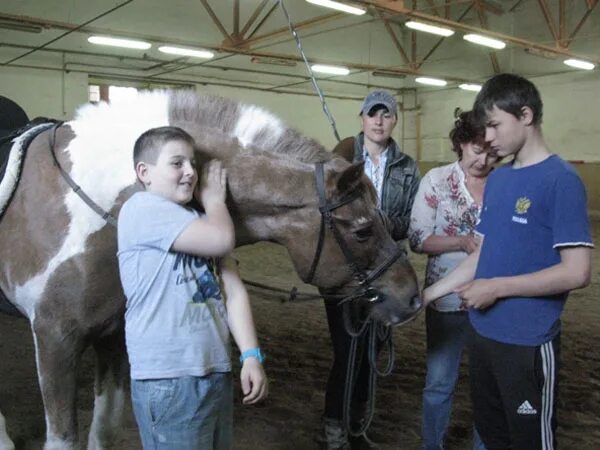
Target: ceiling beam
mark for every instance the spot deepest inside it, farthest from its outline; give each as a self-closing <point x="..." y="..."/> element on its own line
<point x="253" y="17"/>
<point x="285" y="31"/>
<point x="236" y="18"/>
<point x="562" y="23"/>
<point x="263" y="20"/>
<point x="439" y="42"/>
<point x="433" y="7"/>
<point x="591" y="5"/>
<point x="395" y="40"/>
<point x="483" y="22"/>
<point x="73" y="29"/>
<point x="513" y="7"/>
<point x="216" y="20"/>
<point x="493" y="8"/>
<point x="398" y="7"/>
<point x="549" y="20"/>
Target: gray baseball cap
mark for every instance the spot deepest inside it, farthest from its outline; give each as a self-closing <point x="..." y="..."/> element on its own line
<point x="379" y="98"/>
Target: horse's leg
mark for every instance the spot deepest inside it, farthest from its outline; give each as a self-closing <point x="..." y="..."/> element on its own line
<point x="5" y="441"/>
<point x="58" y="349"/>
<point x="112" y="370"/>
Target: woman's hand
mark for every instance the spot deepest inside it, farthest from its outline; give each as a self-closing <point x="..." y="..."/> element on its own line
<point x="469" y="243"/>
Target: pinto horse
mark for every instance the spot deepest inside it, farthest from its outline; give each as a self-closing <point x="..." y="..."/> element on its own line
<point x="58" y="262"/>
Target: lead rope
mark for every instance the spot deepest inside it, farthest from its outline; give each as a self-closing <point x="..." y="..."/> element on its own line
<point x="310" y="72"/>
<point x="371" y="333"/>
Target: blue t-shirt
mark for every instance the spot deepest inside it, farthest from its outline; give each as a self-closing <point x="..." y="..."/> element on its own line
<point x="528" y="215"/>
<point x="175" y="318"/>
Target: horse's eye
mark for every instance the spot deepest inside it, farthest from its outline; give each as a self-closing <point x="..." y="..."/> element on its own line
<point x="364" y="234"/>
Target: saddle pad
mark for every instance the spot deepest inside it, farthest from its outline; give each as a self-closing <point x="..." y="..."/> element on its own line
<point x="12" y="156"/>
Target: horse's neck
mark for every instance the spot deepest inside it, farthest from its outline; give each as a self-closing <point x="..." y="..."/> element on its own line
<point x="266" y="193"/>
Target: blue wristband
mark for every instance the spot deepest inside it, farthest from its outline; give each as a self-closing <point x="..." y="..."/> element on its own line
<point x="255" y="352"/>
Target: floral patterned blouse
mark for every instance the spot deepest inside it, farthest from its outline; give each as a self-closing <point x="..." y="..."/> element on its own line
<point x="443" y="206"/>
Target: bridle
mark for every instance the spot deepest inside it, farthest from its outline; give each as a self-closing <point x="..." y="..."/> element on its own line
<point x="326" y="208"/>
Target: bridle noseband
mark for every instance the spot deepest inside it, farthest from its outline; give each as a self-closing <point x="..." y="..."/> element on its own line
<point x="326" y="209"/>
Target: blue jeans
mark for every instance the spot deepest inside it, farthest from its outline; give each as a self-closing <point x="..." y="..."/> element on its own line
<point x="446" y="338"/>
<point x="186" y="413"/>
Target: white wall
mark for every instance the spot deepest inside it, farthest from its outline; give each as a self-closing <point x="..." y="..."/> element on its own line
<point x="571" y="110"/>
<point x="44" y="92"/>
<point x="570" y="122"/>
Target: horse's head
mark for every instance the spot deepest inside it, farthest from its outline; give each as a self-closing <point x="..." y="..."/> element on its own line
<point x="273" y="196"/>
<point x="355" y="245"/>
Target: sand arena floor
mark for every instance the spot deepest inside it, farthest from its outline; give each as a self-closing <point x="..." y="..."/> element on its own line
<point x="295" y="339"/>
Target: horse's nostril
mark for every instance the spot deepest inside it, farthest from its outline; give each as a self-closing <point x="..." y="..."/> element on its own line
<point x="416" y="303"/>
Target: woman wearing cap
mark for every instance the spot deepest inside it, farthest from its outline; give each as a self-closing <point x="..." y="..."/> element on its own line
<point x="442" y="226"/>
<point x="396" y="178"/>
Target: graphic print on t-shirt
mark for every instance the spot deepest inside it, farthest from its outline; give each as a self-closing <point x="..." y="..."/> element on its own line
<point x="201" y="272"/>
<point x="206" y="301"/>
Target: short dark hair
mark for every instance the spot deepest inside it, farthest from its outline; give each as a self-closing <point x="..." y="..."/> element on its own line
<point x="466" y="129"/>
<point x="147" y="147"/>
<point x="510" y="93"/>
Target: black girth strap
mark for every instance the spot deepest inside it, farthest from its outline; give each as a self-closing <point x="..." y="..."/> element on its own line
<point x="76" y="188"/>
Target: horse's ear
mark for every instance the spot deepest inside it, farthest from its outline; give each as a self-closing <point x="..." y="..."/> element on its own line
<point x="350" y="178"/>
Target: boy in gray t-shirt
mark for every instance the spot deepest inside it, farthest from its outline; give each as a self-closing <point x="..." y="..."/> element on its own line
<point x="178" y="319"/>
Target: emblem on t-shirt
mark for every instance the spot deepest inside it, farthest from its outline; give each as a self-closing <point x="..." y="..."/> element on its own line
<point x="521" y="207"/>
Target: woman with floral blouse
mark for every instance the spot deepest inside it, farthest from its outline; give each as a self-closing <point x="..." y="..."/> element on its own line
<point x="443" y="219"/>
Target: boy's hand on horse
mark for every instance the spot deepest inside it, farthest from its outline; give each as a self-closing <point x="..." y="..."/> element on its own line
<point x="212" y="188"/>
<point x="254" y="381"/>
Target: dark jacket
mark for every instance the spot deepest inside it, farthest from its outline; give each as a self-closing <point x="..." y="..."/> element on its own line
<point x="400" y="181"/>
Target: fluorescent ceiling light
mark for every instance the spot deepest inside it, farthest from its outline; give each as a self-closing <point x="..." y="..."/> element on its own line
<point x="470" y="87"/>
<point x="186" y="52"/>
<point x="440" y="31"/>
<point x="118" y="42"/>
<point x="339" y="6"/>
<point x="484" y="40"/>
<point x="431" y="81"/>
<point x="332" y="70"/>
<point x="579" y="64"/>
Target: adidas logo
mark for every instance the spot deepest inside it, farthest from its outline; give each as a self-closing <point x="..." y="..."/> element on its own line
<point x="526" y="409"/>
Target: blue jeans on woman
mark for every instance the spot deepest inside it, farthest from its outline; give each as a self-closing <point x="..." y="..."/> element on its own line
<point x="187" y="413"/>
<point x="446" y="339"/>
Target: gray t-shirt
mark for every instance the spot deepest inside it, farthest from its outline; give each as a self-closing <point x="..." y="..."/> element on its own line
<point x="175" y="321"/>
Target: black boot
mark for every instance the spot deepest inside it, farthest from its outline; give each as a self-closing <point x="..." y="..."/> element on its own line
<point x="335" y="436"/>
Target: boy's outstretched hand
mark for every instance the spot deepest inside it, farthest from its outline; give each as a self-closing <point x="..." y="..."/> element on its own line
<point x="254" y="382"/>
<point x="213" y="184"/>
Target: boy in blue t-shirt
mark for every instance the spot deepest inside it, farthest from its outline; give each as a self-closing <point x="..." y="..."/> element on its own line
<point x="181" y="304"/>
<point x="536" y="247"/>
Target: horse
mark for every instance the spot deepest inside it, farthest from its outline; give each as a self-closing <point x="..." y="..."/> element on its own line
<point x="58" y="263"/>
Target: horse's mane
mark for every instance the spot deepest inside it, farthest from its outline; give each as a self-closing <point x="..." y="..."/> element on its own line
<point x="256" y="129"/>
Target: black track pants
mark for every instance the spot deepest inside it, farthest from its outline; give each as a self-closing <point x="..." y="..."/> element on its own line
<point x="514" y="391"/>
